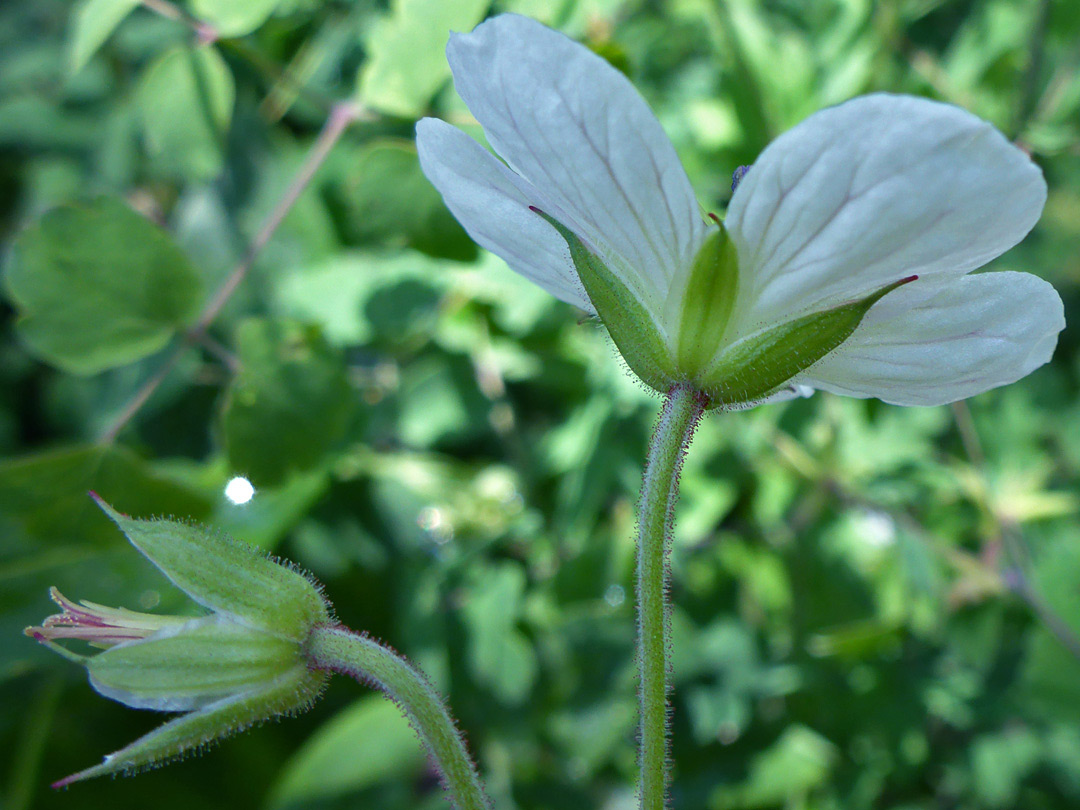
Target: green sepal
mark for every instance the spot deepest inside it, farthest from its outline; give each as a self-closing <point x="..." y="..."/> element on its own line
<point x="221" y="574"/>
<point x="706" y="302"/>
<point x="757" y="366"/>
<point x="187" y="668"/>
<point x="628" y="322"/>
<point x="291" y="693"/>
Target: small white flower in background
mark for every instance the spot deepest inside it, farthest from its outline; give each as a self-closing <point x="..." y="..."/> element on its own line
<point x="843" y="262"/>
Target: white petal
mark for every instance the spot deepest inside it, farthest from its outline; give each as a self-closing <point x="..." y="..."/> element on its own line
<point x="970" y="335"/>
<point x="492" y="204"/>
<point x="873" y="190"/>
<point x="576" y="128"/>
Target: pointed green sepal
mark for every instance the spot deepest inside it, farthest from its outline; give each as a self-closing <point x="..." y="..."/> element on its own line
<point x="292" y="692"/>
<point x="226" y="576"/>
<point x="201" y="662"/>
<point x="706" y="302"/>
<point x="757" y="366"/>
<point x="629" y="323"/>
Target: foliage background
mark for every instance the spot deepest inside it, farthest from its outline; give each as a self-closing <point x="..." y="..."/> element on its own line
<point x="858" y="587"/>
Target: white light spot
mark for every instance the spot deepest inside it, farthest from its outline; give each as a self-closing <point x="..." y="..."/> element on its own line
<point x="614" y="595"/>
<point x="727" y="733"/>
<point x="877" y="529"/>
<point x="239" y="490"/>
<point x="434" y="521"/>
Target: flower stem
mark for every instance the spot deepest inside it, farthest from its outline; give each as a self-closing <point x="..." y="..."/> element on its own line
<point x="659" y="491"/>
<point x="338" y="649"/>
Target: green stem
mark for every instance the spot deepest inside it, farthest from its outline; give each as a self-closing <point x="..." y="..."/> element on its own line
<point x="338" y="649"/>
<point x="659" y="491"/>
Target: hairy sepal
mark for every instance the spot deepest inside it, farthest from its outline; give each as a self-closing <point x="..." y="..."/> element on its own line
<point x="290" y="693"/>
<point x="706" y="302"/>
<point x="755" y="367"/>
<point x="227" y="576"/>
<point x="631" y="326"/>
<point x="192" y="666"/>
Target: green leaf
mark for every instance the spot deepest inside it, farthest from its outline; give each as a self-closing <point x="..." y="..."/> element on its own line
<point x="289" y="405"/>
<point x="1050" y="679"/>
<point x="45" y="494"/>
<point x="93" y="21"/>
<point x="1000" y="763"/>
<point x="99" y="286"/>
<point x="407" y="64"/>
<point x="439" y="403"/>
<point x="366" y="744"/>
<point x="234" y="18"/>
<point x="390" y="201"/>
<point x="186" y="100"/>
<point x="499" y="655"/>
<point x="782" y="776"/>
<point x="347" y="296"/>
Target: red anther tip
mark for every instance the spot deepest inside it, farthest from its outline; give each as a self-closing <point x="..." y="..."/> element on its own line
<point x="535" y="210"/>
<point x="715" y="219"/>
<point x="909" y="279"/>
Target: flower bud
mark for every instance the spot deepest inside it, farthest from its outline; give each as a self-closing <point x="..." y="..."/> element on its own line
<point x="240" y="664"/>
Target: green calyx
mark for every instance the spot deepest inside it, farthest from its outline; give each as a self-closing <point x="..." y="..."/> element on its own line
<point x="291" y="692"/>
<point x="757" y="366"/>
<point x="629" y="323"/>
<point x="203" y="661"/>
<point x="227" y="576"/>
<point x="696" y="348"/>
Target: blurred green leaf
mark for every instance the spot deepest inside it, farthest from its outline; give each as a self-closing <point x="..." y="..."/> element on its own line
<point x="46" y="496"/>
<point x="99" y="286"/>
<point x="234" y="18"/>
<point x="289" y="405"/>
<point x="1000" y="762"/>
<point x="390" y="201"/>
<point x="185" y="100"/>
<point x="368" y="743"/>
<point x="1050" y="679"/>
<point x="499" y="655"/>
<point x="407" y="65"/>
<point x="797" y="763"/>
<point x="93" y="21"/>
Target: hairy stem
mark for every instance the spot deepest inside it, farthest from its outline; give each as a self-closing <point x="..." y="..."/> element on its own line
<point x="659" y="491"/>
<point x="338" y="649"/>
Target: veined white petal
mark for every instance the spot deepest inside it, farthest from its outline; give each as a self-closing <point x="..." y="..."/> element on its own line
<point x="492" y="204"/>
<point x="972" y="334"/>
<point x="873" y="190"/>
<point x="577" y="130"/>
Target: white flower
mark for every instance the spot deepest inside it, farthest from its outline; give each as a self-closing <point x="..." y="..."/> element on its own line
<point x="806" y="283"/>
